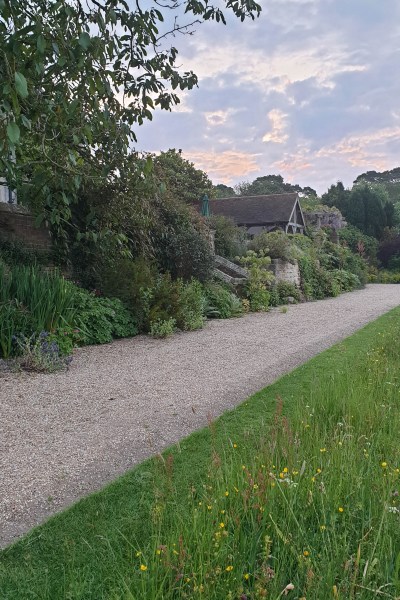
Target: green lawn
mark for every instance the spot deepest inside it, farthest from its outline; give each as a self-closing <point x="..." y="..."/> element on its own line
<point x="295" y="492"/>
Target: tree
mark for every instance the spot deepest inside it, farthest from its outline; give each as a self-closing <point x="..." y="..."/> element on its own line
<point x="337" y="196"/>
<point x="389" y="179"/>
<point x="223" y="191"/>
<point x="366" y="209"/>
<point x="271" y="184"/>
<point x="180" y="177"/>
<point x="77" y="79"/>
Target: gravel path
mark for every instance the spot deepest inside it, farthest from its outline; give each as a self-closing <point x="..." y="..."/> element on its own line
<point x="65" y="435"/>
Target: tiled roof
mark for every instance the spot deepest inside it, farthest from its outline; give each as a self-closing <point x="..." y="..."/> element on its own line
<point x="255" y="210"/>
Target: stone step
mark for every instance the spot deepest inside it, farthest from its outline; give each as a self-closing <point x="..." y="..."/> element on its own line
<point x="228" y="279"/>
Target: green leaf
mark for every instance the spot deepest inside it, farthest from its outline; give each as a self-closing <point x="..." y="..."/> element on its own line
<point x="13" y="133"/>
<point x="84" y="40"/>
<point x="41" y="44"/>
<point x="26" y="122"/>
<point x="21" y="85"/>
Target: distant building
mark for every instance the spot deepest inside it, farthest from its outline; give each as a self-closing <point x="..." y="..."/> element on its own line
<point x="262" y="213"/>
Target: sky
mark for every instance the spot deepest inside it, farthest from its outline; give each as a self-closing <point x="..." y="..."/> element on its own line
<point x="309" y="90"/>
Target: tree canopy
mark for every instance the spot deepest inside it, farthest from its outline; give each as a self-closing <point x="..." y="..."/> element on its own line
<point x="180" y="177"/>
<point x="271" y="184"/>
<point x="389" y="179"/>
<point x="223" y="191"/>
<point x="78" y="78"/>
<point x="366" y="206"/>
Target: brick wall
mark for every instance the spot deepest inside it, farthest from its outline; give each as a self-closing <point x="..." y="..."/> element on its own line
<point x="17" y="224"/>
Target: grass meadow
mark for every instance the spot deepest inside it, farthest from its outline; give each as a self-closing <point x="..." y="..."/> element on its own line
<point x="295" y="494"/>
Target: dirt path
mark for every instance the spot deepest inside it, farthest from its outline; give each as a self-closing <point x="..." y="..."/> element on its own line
<point x="65" y="435"/>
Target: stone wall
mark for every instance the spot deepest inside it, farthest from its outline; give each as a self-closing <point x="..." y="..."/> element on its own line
<point x="286" y="271"/>
<point x="18" y="225"/>
<point x="333" y="219"/>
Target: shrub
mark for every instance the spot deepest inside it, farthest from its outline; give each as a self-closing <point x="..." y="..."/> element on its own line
<point x="230" y="240"/>
<point x="162" y="328"/>
<point x="102" y="319"/>
<point x="187" y="254"/>
<point x="394" y="263"/>
<point x="16" y="254"/>
<point x="285" y="290"/>
<point x="276" y="244"/>
<point x="67" y="338"/>
<point x="384" y="277"/>
<point x="389" y="248"/>
<point x="38" y="353"/>
<point x="123" y="278"/>
<point x="346" y="281"/>
<point x="274" y="299"/>
<point x="259" y="278"/>
<point x="359" y="243"/>
<point x="180" y="300"/>
<point x="190" y="305"/>
<point x="221" y="303"/>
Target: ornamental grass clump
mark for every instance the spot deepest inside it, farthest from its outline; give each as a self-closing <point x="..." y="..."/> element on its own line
<point x="32" y="301"/>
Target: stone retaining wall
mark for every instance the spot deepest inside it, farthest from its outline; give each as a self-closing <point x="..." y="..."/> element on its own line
<point x="286" y="271"/>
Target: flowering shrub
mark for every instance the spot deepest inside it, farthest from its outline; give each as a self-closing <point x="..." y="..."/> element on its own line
<point x="39" y="353"/>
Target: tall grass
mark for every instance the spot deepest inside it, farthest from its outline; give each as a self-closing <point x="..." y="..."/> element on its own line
<point x="294" y="493"/>
<point x="311" y="508"/>
<point x="32" y="301"/>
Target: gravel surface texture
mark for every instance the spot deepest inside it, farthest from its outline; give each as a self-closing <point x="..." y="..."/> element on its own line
<point x="64" y="435"/>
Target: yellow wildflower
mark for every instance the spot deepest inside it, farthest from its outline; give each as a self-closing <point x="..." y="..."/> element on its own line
<point x="222" y="525"/>
<point x="341" y="509"/>
<point x="384" y="465"/>
<point x="229" y="568"/>
<point x="143" y="568"/>
<point x="226" y="493"/>
<point x="246" y="576"/>
<point x="306" y="553"/>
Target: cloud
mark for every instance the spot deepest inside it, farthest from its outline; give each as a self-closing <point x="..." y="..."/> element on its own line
<point x="364" y="150"/>
<point x="278" y="133"/>
<point x="225" y="167"/>
<point x="309" y="90"/>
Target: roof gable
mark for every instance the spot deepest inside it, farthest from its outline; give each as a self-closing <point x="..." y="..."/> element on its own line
<point x="256" y="210"/>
